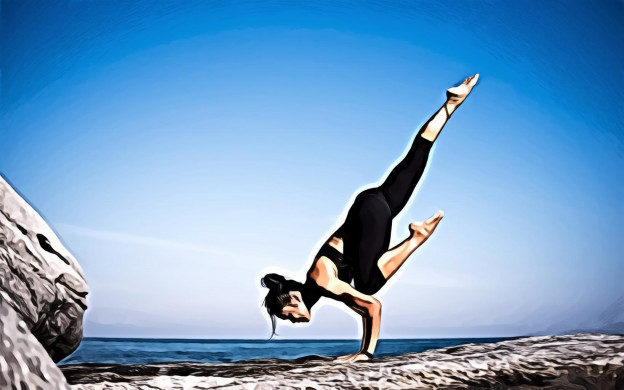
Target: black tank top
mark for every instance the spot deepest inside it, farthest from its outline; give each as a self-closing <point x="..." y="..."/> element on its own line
<point x="312" y="292"/>
<point x="344" y="267"/>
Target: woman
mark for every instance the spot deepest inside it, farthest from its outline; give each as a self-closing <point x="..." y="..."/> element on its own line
<point x="358" y="250"/>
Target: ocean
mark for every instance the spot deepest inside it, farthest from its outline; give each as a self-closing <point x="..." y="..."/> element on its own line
<point x="147" y="351"/>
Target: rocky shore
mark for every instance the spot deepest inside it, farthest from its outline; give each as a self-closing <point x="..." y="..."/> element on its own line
<point x="43" y="297"/>
<point x="583" y="361"/>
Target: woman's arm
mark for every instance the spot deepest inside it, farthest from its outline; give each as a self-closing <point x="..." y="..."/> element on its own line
<point x="365" y="305"/>
<point x="370" y="310"/>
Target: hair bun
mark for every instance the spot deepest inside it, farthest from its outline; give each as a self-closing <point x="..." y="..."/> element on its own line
<point x="272" y="281"/>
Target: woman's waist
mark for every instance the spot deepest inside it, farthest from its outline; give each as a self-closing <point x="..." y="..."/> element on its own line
<point x="335" y="255"/>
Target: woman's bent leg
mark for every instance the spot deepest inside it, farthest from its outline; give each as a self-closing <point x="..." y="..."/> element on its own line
<point x="369" y="224"/>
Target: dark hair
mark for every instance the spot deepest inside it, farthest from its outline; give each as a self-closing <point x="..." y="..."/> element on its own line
<point x="278" y="296"/>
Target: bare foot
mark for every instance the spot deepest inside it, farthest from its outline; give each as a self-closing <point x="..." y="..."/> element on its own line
<point x="456" y="95"/>
<point x="421" y="231"/>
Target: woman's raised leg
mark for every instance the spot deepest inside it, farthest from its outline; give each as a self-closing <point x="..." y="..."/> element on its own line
<point x="402" y="180"/>
<point x="455" y="96"/>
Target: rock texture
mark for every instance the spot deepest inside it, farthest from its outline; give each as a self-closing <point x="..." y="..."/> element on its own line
<point x="584" y="361"/>
<point x="41" y="280"/>
<point x="25" y="364"/>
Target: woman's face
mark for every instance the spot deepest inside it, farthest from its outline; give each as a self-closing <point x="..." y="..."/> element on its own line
<point x="296" y="310"/>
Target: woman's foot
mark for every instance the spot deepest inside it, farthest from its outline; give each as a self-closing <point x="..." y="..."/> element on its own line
<point x="421" y="231"/>
<point x="456" y="95"/>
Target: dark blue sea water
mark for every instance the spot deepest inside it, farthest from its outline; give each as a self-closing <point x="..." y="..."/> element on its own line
<point x="144" y="351"/>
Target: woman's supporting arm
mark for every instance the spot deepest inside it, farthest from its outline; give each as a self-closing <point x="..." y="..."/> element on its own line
<point x="365" y="305"/>
<point x="370" y="310"/>
<point x="371" y="321"/>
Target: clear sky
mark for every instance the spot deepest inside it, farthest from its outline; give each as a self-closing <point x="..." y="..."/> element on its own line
<point x="183" y="150"/>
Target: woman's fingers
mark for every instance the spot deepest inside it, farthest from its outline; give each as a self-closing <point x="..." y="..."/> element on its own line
<point x="360" y="357"/>
<point x="356" y="357"/>
<point x="344" y="358"/>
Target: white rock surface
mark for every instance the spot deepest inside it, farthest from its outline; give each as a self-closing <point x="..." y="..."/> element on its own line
<point x="583" y="361"/>
<point x="24" y="363"/>
<point x="42" y="281"/>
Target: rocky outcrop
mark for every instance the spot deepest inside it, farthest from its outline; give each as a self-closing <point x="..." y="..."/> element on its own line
<point x="584" y="361"/>
<point x="25" y="364"/>
<point x="40" y="279"/>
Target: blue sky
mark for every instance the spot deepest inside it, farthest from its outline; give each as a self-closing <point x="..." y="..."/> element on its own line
<point x="183" y="150"/>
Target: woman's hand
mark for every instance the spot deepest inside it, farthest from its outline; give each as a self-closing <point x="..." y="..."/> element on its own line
<point x="356" y="357"/>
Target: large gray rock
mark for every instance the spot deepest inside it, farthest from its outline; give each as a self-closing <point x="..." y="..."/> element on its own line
<point x="25" y="364"/>
<point x="42" y="280"/>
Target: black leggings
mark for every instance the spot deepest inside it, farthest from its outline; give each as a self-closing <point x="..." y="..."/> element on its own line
<point x="368" y="225"/>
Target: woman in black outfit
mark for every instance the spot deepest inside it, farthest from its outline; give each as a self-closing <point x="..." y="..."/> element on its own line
<point x="358" y="250"/>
